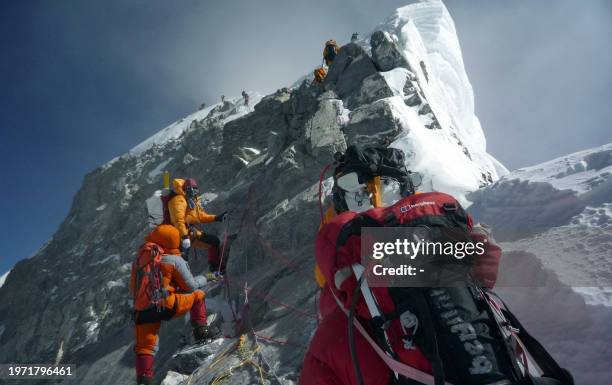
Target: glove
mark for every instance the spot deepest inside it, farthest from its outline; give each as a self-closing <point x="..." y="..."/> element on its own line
<point x="212" y="277"/>
<point x="185" y="244"/>
<point x="221" y="217"/>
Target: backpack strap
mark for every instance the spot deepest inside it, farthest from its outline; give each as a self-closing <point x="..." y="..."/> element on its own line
<point x="353" y="227"/>
<point x="430" y="347"/>
<point x="543" y="359"/>
<point x="394" y="365"/>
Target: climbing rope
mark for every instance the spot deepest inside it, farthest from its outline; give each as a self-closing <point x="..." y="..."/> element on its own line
<point x="252" y="355"/>
<point x="246" y="355"/>
<point x="265" y="297"/>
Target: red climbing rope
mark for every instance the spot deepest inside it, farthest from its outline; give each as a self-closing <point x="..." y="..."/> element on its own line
<point x="279" y="341"/>
<point x="268" y="299"/>
<point x="285" y="261"/>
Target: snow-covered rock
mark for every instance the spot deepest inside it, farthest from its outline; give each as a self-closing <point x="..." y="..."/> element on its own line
<point x="233" y="108"/>
<point x="418" y="52"/>
<point x="426" y="35"/>
<point x="3" y="278"/>
<point x="174" y="378"/>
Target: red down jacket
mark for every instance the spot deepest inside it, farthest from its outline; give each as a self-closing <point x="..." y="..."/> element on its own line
<point x="328" y="359"/>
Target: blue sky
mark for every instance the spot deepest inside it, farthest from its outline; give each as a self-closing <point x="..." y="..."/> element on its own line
<point x="85" y="81"/>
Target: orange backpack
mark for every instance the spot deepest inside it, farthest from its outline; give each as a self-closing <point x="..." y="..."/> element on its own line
<point x="146" y="285"/>
<point x="319" y="74"/>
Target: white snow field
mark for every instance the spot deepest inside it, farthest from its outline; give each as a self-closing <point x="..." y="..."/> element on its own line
<point x="560" y="211"/>
<point x="574" y="189"/>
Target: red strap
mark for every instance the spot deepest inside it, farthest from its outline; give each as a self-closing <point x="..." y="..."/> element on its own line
<point x="396" y="366"/>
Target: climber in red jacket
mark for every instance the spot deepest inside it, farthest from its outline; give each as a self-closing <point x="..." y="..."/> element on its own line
<point x="328" y="360"/>
<point x="445" y="327"/>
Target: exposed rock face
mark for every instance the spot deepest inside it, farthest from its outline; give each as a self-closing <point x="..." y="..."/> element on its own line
<point x="386" y="53"/>
<point x="372" y="124"/>
<point x="261" y="165"/>
<point x="354" y="77"/>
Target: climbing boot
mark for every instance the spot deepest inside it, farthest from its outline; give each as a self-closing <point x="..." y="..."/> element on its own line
<point x="204" y="333"/>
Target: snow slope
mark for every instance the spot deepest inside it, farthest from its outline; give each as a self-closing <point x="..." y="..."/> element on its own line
<point x="575" y="189"/>
<point x="233" y="108"/>
<point x="561" y="211"/>
<point x="3" y="278"/>
<point x="456" y="160"/>
<point x="588" y="173"/>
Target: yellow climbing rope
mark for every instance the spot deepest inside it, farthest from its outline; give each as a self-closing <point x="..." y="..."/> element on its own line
<point x="245" y="354"/>
<point x="220" y="358"/>
<point x="246" y="357"/>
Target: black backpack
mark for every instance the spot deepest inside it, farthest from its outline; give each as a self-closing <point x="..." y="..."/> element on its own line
<point x="370" y="162"/>
<point x="465" y="331"/>
<point x="330" y="52"/>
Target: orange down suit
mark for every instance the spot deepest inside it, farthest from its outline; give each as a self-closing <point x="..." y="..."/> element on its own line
<point x="185" y="211"/>
<point x="184" y="292"/>
<point x="182" y="214"/>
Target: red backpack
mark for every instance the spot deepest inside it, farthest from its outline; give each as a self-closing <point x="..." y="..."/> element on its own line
<point x="146" y="286"/>
<point x="464" y="335"/>
<point x="166" y="197"/>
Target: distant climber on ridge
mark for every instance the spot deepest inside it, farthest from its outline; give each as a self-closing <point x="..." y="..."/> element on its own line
<point x="330" y="51"/>
<point x="163" y="288"/>
<point x="185" y="211"/>
<point x="245" y="97"/>
<point x="329" y="54"/>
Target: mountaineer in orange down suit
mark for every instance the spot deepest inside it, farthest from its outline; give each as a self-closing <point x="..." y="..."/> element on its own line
<point x="183" y="293"/>
<point x="185" y="210"/>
